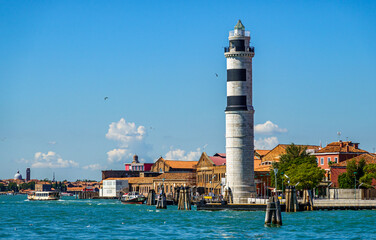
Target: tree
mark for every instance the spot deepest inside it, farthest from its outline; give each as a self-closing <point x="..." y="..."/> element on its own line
<point x="12" y="186"/>
<point x="354" y="172"/>
<point x="369" y="174"/>
<point x="299" y="166"/>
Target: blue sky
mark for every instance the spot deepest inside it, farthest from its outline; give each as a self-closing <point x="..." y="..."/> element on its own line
<point x="313" y="76"/>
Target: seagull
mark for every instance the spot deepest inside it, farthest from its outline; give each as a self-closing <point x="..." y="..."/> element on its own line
<point x="216" y="74"/>
<point x="105" y="98"/>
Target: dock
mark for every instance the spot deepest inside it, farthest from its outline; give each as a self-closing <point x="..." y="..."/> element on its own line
<point x="318" y="204"/>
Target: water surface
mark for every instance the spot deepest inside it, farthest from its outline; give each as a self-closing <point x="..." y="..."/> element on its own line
<point x="69" y="218"/>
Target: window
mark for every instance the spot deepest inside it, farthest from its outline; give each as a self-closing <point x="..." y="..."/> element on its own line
<point x="329" y="159"/>
<point x="322" y="161"/>
<point x="336" y="160"/>
<point x="317" y="160"/>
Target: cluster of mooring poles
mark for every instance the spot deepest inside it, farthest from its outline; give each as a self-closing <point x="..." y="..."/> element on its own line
<point x="151" y="198"/>
<point x="273" y="212"/>
<point x="307" y="199"/>
<point x="291" y="200"/>
<point x="184" y="202"/>
<point x="228" y="196"/>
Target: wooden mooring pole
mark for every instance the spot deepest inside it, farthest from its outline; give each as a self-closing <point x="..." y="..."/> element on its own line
<point x="291" y="200"/>
<point x="273" y="215"/>
<point x="184" y="202"/>
<point x="151" y="197"/>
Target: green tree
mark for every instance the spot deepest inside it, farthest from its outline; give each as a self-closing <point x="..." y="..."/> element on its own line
<point x="12" y="186"/>
<point x="354" y="172"/>
<point x="2" y="187"/>
<point x="369" y="175"/>
<point x="299" y="166"/>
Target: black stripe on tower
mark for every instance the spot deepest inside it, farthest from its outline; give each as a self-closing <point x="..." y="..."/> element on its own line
<point x="236" y="75"/>
<point x="236" y="103"/>
<point x="238" y="45"/>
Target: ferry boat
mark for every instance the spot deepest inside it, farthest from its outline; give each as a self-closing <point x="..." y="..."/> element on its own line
<point x="133" y="198"/>
<point x="43" y="196"/>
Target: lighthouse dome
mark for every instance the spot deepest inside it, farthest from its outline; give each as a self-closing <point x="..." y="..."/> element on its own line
<point x="18" y="176"/>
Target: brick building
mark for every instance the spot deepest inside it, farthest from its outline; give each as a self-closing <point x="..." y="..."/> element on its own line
<point x="337" y="169"/>
<point x="336" y="152"/>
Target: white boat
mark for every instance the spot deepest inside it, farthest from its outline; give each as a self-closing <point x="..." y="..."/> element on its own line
<point x="43" y="196"/>
<point x="133" y="198"/>
<point x="65" y="194"/>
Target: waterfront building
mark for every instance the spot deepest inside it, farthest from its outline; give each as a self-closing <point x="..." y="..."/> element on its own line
<point x="337" y="169"/>
<point x="336" y="152"/>
<point x="211" y="173"/>
<point x="170" y="180"/>
<point x="239" y="115"/>
<point x="274" y="154"/>
<point x="113" y="188"/>
<point x="119" y="174"/>
<point x="162" y="166"/>
<point x="40" y="187"/>
<point x="137" y="166"/>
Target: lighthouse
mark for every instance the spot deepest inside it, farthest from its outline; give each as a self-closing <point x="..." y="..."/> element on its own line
<point x="239" y="115"/>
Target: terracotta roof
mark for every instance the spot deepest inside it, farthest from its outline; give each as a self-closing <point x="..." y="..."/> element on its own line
<point x="340" y="146"/>
<point x="74" y="189"/>
<point x="181" y="164"/>
<point x="280" y="149"/>
<point x="133" y="180"/>
<point x="262" y="168"/>
<point x="218" y="161"/>
<point x="369" y="158"/>
<point x="262" y="152"/>
<point x="176" y="176"/>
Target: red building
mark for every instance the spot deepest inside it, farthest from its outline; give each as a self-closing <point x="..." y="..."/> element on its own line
<point x="336" y="152"/>
<point x="339" y="168"/>
<point x="137" y="166"/>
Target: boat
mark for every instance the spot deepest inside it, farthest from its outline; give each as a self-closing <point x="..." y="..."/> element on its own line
<point x="43" y="196"/>
<point x="133" y="198"/>
<point x="65" y="194"/>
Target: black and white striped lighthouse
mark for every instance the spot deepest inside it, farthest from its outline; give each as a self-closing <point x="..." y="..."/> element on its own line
<point x="239" y="115"/>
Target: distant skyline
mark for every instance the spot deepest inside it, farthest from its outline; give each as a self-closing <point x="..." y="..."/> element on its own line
<point x="84" y="85"/>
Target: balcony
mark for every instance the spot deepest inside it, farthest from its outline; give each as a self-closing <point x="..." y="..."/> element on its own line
<point x="234" y="49"/>
<point x="240" y="33"/>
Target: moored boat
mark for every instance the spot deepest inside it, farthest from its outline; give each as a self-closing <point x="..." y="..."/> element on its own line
<point x="43" y="196"/>
<point x="133" y="198"/>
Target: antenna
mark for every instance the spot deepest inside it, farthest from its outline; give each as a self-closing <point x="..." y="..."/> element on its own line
<point x="53" y="179"/>
<point x="373" y="150"/>
<point x="339" y="136"/>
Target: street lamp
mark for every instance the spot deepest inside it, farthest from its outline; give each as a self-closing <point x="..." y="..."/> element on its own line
<point x="275" y="177"/>
<point x="355" y="185"/>
<point x="267" y="184"/>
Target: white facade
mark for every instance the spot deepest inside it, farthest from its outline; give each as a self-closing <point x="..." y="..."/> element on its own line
<point x="112" y="188"/>
<point x="239" y="116"/>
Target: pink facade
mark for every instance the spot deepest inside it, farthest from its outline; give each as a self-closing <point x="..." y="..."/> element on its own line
<point x="141" y="167"/>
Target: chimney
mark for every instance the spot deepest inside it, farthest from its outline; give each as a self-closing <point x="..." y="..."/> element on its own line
<point x="340" y="144"/>
<point x="347" y="148"/>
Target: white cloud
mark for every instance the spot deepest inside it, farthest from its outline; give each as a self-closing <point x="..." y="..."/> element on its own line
<point x="93" y="167"/>
<point x="179" y="154"/>
<point x="117" y="155"/>
<point x="269" y="128"/>
<point x="125" y="132"/>
<point x="130" y="140"/>
<point x="266" y="143"/>
<point x="51" y="160"/>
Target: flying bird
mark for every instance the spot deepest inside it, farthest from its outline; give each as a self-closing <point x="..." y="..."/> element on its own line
<point x="105" y="98"/>
<point x="216" y="74"/>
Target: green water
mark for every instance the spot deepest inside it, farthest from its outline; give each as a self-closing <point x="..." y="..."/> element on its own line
<point x="109" y="219"/>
